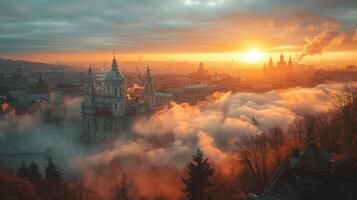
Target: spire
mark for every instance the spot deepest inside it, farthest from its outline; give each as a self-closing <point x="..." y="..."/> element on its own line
<point x="149" y="88"/>
<point x="114" y="64"/>
<point x="148" y="73"/>
<point x="148" y="70"/>
<point x="270" y="65"/>
<point x="281" y="57"/>
<point x="90" y="78"/>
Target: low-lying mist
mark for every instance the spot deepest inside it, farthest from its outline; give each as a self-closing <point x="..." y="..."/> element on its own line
<point x="164" y="142"/>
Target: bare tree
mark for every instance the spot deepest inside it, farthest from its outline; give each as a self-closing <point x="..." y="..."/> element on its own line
<point x="276" y="139"/>
<point x="254" y="152"/>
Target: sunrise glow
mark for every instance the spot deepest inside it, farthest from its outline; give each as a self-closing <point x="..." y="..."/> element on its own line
<point x="252" y="56"/>
<point x="178" y="100"/>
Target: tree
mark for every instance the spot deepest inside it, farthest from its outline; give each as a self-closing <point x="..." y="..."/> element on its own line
<point x="122" y="191"/>
<point x="276" y="140"/>
<point x="54" y="184"/>
<point x="22" y="171"/>
<point x="34" y="174"/>
<point x="254" y="153"/>
<point x="52" y="173"/>
<point x="198" y="177"/>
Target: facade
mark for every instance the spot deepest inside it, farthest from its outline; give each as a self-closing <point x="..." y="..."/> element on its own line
<point x="107" y="110"/>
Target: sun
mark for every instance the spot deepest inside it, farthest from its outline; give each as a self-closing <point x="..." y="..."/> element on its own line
<point x="252" y="56"/>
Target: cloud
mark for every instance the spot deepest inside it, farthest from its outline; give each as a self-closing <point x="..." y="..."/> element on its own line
<point x="355" y="36"/>
<point x="219" y="123"/>
<point x="161" y="145"/>
<point x="326" y="39"/>
<point x="28" y="26"/>
<point x="28" y="134"/>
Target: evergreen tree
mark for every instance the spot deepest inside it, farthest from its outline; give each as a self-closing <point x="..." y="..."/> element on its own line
<point x="198" y="177"/>
<point x="34" y="174"/>
<point x="54" y="185"/>
<point x="52" y="173"/>
<point x="22" y="172"/>
<point x="122" y="191"/>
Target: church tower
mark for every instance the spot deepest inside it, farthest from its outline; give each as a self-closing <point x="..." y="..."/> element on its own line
<point x="90" y="83"/>
<point x="281" y="65"/>
<point x="87" y="108"/>
<point x="271" y="68"/>
<point x="149" y="88"/>
<point x="115" y="89"/>
<point x="290" y="65"/>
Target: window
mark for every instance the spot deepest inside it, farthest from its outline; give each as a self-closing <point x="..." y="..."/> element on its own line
<point x="115" y="106"/>
<point x="116" y="91"/>
<point x="108" y="88"/>
<point x="121" y="91"/>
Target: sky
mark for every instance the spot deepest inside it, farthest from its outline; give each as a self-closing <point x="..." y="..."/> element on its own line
<point x="176" y="29"/>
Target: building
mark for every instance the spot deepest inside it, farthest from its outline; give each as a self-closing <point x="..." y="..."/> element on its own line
<point x="108" y="111"/>
<point x="155" y="100"/>
<point x="200" y="75"/>
<point x="310" y="174"/>
<point x="282" y="67"/>
<point x="192" y="94"/>
<point x="39" y="91"/>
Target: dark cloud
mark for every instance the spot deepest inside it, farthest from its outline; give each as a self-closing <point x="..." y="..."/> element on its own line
<point x="158" y="25"/>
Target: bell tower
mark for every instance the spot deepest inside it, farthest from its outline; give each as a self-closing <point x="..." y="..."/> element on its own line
<point x="149" y="88"/>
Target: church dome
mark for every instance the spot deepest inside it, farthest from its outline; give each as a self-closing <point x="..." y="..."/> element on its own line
<point x="114" y="76"/>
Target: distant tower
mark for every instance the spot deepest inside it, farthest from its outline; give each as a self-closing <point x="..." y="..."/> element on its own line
<point x="201" y="69"/>
<point x="281" y="65"/>
<point x="270" y="68"/>
<point x="290" y="65"/>
<point x="149" y="88"/>
<point x="282" y="58"/>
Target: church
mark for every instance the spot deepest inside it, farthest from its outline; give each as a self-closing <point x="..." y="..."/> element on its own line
<point x="109" y="112"/>
<point x="282" y="67"/>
